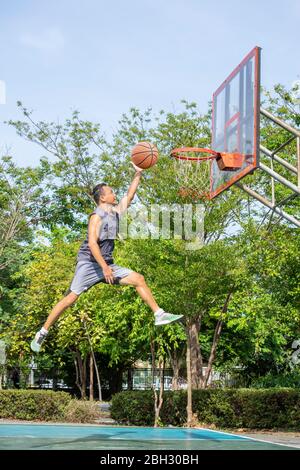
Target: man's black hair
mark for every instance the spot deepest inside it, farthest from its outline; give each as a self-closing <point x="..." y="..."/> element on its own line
<point x="97" y="191"/>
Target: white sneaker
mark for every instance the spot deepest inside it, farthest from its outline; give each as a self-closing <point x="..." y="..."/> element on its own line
<point x="37" y="342"/>
<point x="163" y="318"/>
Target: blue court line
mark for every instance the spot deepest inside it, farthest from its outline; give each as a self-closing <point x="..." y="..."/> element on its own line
<point x="112" y="433"/>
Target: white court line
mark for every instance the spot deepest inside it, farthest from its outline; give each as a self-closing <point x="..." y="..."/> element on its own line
<point x="250" y="438"/>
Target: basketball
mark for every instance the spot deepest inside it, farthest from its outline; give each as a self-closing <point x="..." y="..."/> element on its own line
<point x="144" y="154"/>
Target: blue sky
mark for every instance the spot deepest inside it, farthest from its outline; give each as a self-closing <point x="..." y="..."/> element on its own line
<point x="102" y="57"/>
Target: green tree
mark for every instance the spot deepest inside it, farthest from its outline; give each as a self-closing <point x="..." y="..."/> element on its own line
<point x="76" y="149"/>
<point x="226" y="301"/>
<point x="271" y="310"/>
<point x="22" y="197"/>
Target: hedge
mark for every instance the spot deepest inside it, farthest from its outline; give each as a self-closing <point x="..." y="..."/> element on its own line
<point x="46" y="405"/>
<point x="227" y="408"/>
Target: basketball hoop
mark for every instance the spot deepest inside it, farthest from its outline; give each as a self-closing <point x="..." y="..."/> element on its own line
<point x="192" y="168"/>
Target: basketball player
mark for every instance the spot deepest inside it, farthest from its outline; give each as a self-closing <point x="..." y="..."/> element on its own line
<point x="95" y="259"/>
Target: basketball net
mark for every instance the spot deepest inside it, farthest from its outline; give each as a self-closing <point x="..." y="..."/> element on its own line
<point x="192" y="171"/>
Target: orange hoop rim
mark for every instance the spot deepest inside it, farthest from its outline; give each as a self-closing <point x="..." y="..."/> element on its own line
<point x="178" y="153"/>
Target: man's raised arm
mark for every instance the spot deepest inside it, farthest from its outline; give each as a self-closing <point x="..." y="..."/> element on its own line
<point x="126" y="200"/>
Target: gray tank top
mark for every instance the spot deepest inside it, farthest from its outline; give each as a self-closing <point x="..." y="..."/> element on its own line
<point x="106" y="239"/>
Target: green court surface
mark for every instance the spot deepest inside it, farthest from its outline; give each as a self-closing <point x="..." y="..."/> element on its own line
<point x="90" y="437"/>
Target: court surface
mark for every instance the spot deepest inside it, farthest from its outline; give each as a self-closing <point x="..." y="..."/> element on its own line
<point x="92" y="437"/>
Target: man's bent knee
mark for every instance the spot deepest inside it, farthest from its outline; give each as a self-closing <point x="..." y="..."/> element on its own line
<point x="133" y="279"/>
<point x="140" y="279"/>
<point x="71" y="298"/>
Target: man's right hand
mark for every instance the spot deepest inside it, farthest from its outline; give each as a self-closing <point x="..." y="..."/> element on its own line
<point x="108" y="274"/>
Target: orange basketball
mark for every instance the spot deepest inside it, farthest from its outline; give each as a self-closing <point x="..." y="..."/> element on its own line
<point x="144" y="154"/>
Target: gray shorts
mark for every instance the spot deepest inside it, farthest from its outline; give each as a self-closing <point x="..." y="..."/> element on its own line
<point x="87" y="274"/>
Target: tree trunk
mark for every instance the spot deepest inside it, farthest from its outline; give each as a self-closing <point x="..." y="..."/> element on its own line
<point x="189" y="407"/>
<point x="116" y="380"/>
<point x="216" y="339"/>
<point x="54" y="380"/>
<point x="176" y="358"/>
<point x="77" y="372"/>
<point x="83" y="378"/>
<point x="129" y="379"/>
<point x="175" y="367"/>
<point x="196" y="356"/>
<point x="80" y="367"/>
<point x="158" y="400"/>
<point x="91" y="378"/>
<point x="97" y="374"/>
<point x="94" y="360"/>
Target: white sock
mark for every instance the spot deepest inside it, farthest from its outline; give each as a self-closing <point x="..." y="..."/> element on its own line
<point x="159" y="311"/>
<point x="43" y="331"/>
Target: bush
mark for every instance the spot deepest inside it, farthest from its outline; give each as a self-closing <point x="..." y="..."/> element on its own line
<point x="269" y="408"/>
<point x="78" y="411"/>
<point x="45" y="405"/>
<point x="227" y="408"/>
<point x="33" y="404"/>
<point x="133" y="408"/>
<point x="284" y="380"/>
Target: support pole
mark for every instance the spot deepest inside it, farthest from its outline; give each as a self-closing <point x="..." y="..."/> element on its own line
<point x="268" y="204"/>
<point x="280" y="123"/>
<point x="280" y="178"/>
<point x="298" y="160"/>
<point x="278" y="159"/>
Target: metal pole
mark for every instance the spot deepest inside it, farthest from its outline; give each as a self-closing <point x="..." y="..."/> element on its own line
<point x="298" y="160"/>
<point x="287" y="142"/>
<point x="280" y="123"/>
<point x="280" y="178"/>
<point x="278" y="159"/>
<point x="268" y="204"/>
<point x="273" y="184"/>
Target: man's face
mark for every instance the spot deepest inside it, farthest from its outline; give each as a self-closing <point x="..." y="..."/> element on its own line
<point x="108" y="195"/>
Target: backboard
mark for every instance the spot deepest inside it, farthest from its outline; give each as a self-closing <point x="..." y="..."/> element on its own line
<point x="235" y="121"/>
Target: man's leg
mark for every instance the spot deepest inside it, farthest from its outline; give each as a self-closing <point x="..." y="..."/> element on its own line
<point x="86" y="275"/>
<point x="57" y="310"/>
<point x="138" y="281"/>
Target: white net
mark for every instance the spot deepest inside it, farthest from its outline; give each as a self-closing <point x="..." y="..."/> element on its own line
<point x="193" y="176"/>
